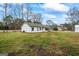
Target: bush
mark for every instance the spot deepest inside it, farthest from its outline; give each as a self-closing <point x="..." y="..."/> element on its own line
<point x="55" y="28"/>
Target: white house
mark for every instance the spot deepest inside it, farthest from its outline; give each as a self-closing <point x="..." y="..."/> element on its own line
<point x="76" y="28"/>
<point x="34" y="27"/>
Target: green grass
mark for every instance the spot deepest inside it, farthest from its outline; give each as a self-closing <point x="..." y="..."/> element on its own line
<point x="49" y="43"/>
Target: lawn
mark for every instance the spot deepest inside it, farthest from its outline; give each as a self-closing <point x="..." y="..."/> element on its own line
<point x="39" y="44"/>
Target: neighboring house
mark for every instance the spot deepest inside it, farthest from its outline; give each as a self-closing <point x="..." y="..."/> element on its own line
<point x="63" y="28"/>
<point x="34" y="27"/>
<point x="59" y="28"/>
<point x="76" y="28"/>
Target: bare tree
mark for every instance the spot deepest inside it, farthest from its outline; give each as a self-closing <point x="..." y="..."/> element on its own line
<point x="73" y="16"/>
<point x="36" y="18"/>
<point x="51" y="24"/>
<point x="5" y="9"/>
<point x="15" y="13"/>
<point x="5" y="14"/>
<point x="22" y="11"/>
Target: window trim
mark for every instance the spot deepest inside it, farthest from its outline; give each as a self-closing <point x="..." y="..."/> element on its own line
<point x="32" y="28"/>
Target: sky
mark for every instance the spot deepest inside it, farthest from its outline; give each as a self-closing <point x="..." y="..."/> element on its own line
<point x="57" y="12"/>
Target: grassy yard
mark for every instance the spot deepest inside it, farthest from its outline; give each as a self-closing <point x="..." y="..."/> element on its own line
<point x="49" y="43"/>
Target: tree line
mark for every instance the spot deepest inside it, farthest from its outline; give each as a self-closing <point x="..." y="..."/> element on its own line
<point x="18" y="16"/>
<point x="72" y="19"/>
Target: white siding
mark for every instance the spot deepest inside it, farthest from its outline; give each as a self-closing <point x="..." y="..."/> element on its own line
<point x="76" y="28"/>
<point x="44" y="29"/>
<point x="35" y="29"/>
<point x="26" y="28"/>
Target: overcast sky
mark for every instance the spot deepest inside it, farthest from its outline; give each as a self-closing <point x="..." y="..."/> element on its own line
<point x="57" y="12"/>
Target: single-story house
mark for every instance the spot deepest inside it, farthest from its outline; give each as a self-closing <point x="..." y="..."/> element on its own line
<point x="76" y="28"/>
<point x="34" y="27"/>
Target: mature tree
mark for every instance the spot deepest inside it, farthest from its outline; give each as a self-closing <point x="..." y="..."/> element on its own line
<point x="5" y="9"/>
<point x="68" y="26"/>
<point x="18" y="23"/>
<point x="20" y="10"/>
<point x="22" y="7"/>
<point x="73" y="16"/>
<point x="1" y="26"/>
<point x="52" y="24"/>
<point x="28" y="12"/>
<point x="17" y="11"/>
<point x="8" y="20"/>
<point x="13" y="24"/>
<point x="37" y="18"/>
<point x="16" y="19"/>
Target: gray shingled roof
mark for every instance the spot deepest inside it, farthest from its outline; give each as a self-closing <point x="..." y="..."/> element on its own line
<point x="37" y="25"/>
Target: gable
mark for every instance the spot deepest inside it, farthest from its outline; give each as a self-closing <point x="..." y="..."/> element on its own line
<point x="25" y="25"/>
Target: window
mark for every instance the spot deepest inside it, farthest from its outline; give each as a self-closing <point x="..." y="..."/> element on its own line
<point x="37" y="28"/>
<point x="32" y="29"/>
<point x="40" y="28"/>
<point x="46" y="29"/>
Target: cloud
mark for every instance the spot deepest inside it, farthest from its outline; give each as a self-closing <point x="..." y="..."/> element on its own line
<point x="56" y="19"/>
<point x="61" y="19"/>
<point x="49" y="16"/>
<point x="56" y="6"/>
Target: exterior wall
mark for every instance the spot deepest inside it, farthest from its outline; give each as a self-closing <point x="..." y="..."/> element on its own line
<point x="37" y="29"/>
<point x="76" y="28"/>
<point x="25" y="28"/>
<point x="44" y="29"/>
<point x="59" y="28"/>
